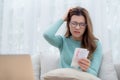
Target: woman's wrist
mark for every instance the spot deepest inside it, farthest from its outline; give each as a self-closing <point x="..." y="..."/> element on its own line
<point x="63" y="18"/>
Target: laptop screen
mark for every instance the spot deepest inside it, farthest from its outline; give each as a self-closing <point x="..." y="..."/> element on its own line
<point x="16" y="67"/>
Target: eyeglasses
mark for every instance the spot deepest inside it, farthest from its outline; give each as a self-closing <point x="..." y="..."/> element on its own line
<point x="75" y="24"/>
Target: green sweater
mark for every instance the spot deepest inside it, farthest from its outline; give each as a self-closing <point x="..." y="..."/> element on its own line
<point x="67" y="46"/>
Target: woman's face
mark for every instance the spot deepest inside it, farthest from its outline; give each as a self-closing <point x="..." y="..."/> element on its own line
<point x="77" y="26"/>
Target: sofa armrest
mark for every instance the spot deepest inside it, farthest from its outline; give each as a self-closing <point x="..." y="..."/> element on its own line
<point x="117" y="67"/>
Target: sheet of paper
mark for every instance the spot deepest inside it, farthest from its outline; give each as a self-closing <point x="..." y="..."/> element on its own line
<point x="78" y="54"/>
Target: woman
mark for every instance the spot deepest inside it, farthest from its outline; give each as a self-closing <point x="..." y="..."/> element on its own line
<point x="79" y="34"/>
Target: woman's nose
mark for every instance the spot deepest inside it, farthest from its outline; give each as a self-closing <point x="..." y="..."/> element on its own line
<point x="77" y="27"/>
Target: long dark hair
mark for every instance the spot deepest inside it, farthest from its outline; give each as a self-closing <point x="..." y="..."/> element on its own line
<point x="88" y="39"/>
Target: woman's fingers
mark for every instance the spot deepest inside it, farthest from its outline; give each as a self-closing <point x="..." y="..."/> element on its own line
<point x="85" y="60"/>
<point x="84" y="64"/>
<point x="67" y="12"/>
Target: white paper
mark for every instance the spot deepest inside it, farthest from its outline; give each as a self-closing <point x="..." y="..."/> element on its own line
<point x="79" y="53"/>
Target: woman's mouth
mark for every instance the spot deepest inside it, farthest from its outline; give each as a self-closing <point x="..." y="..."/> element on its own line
<point x="77" y="32"/>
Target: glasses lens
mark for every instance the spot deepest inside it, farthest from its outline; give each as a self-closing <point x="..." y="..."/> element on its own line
<point x="74" y="24"/>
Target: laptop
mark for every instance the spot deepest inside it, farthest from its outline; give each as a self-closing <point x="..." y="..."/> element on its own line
<point x="16" y="67"/>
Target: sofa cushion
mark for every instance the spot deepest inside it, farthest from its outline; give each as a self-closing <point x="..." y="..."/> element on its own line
<point x="49" y="60"/>
<point x="107" y="69"/>
<point x="68" y="74"/>
<point x="117" y="67"/>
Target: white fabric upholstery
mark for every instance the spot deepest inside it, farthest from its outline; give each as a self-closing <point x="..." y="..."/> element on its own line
<point x="107" y="69"/>
<point x="49" y="60"/>
<point x="117" y="67"/>
<point x="36" y="66"/>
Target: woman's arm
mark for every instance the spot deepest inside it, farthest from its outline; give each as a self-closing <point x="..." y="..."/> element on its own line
<point x="96" y="61"/>
<point x="50" y="36"/>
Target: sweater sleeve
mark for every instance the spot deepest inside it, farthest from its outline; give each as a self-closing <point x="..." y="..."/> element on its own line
<point x="96" y="61"/>
<point x="49" y="34"/>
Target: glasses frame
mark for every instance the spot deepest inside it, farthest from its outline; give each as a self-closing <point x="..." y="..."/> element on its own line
<point x="75" y="24"/>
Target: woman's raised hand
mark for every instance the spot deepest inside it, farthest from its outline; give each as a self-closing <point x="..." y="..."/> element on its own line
<point x="66" y="14"/>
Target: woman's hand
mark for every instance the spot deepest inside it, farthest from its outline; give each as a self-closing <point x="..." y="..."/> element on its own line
<point x="66" y="14"/>
<point x="84" y="64"/>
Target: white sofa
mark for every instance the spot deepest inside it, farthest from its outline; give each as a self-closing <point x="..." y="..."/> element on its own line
<point x="117" y="67"/>
<point x="48" y="60"/>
